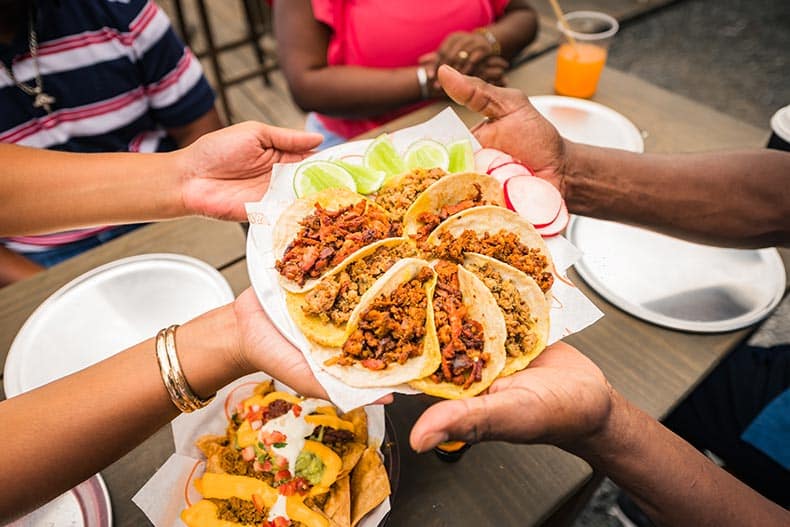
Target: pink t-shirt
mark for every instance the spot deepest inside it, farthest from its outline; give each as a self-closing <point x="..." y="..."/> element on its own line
<point x="387" y="34"/>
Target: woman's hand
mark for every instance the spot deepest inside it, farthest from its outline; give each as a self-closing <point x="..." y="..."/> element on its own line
<point x="464" y="51"/>
<point x="263" y="348"/>
<point x="513" y="126"/>
<point x="561" y="398"/>
<point x="224" y="169"/>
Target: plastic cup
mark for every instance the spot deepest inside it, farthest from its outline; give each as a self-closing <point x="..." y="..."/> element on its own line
<point x="579" y="63"/>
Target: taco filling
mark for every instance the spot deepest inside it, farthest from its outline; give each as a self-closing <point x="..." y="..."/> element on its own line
<point x="391" y="329"/>
<point x="396" y="199"/>
<point x="336" y="296"/>
<point x="519" y="321"/>
<point x="327" y="237"/>
<point x="504" y="246"/>
<point x="431" y="220"/>
<point x="461" y="339"/>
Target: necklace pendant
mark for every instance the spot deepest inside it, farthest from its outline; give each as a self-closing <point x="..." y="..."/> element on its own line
<point x="44" y="100"/>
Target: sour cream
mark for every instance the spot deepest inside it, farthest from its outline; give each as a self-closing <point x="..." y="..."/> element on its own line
<point x="295" y="430"/>
<point x="278" y="509"/>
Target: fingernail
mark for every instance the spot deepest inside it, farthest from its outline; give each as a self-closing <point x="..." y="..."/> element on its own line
<point x="431" y="440"/>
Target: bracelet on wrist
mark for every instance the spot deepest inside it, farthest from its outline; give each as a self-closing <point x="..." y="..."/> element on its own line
<point x="496" y="48"/>
<point x="178" y="388"/>
<point x="422" y="79"/>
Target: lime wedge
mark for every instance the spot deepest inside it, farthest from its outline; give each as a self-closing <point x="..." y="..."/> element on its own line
<point x="381" y="155"/>
<point x="462" y="158"/>
<point x="427" y="153"/>
<point x="367" y="179"/>
<point x="314" y="176"/>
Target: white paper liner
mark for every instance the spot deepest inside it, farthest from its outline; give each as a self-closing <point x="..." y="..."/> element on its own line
<point x="571" y="310"/>
<point x="162" y="498"/>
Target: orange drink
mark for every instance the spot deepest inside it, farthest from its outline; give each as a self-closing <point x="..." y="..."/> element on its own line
<point x="578" y="69"/>
<point x="582" y="53"/>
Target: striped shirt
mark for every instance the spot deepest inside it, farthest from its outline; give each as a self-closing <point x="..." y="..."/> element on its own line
<point x="120" y="77"/>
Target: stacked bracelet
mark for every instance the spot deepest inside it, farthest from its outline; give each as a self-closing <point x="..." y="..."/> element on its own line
<point x="496" y="48"/>
<point x="422" y="78"/>
<point x="172" y="376"/>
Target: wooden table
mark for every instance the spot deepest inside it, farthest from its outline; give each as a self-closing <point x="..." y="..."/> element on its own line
<point x="495" y="483"/>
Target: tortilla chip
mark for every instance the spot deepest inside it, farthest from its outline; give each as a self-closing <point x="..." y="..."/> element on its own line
<point x="338" y="506"/>
<point x="369" y="485"/>
<point x="264" y="388"/>
<point x="359" y="418"/>
<point x="210" y="444"/>
<point x="350" y="459"/>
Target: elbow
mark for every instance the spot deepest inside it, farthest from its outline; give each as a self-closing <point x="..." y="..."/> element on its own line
<point x="304" y="94"/>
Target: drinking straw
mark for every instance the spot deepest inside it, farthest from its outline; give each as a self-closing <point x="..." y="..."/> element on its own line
<point x="564" y="23"/>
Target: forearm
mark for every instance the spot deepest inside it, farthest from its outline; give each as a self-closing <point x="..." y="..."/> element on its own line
<point x="516" y="29"/>
<point x="45" y="191"/>
<point x="730" y="198"/>
<point x="353" y="91"/>
<point x="62" y="433"/>
<point x="15" y="267"/>
<point x="673" y="482"/>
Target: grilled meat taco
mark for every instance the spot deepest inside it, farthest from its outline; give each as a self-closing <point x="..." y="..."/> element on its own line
<point x="284" y="461"/>
<point x="448" y="196"/>
<point x="471" y="333"/>
<point x="391" y="335"/>
<point x="399" y="192"/>
<point x="496" y="232"/>
<point x="316" y="234"/>
<point x="523" y="305"/>
<point x="322" y="313"/>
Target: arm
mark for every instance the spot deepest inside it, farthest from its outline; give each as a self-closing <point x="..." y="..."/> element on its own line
<point x="45" y="191"/>
<point x="350" y="91"/>
<point x="189" y="133"/>
<point x="562" y="398"/>
<point x="14" y="267"/>
<point x="738" y="198"/>
<point x="109" y="408"/>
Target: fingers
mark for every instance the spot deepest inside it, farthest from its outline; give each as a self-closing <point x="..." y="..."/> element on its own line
<point x="284" y="139"/>
<point x="479" y="96"/>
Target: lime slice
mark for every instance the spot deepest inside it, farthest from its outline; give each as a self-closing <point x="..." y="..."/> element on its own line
<point x="462" y="158"/>
<point x="381" y="155"/>
<point x="314" y="176"/>
<point x="367" y="179"/>
<point x="427" y="153"/>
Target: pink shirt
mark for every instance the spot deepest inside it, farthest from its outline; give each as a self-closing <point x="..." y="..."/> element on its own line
<point x="392" y="34"/>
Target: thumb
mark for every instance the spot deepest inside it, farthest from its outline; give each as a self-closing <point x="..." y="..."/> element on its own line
<point x="469" y="420"/>
<point x="478" y="96"/>
<point x="286" y="139"/>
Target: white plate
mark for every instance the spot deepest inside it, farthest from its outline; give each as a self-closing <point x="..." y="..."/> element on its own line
<point x="91" y="318"/>
<point x="107" y="310"/>
<point x="588" y="122"/>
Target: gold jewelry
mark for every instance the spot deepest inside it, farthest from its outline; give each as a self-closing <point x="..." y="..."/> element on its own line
<point x="463" y="54"/>
<point x="422" y="78"/>
<point x="172" y="376"/>
<point x="496" y="48"/>
<point x="41" y="99"/>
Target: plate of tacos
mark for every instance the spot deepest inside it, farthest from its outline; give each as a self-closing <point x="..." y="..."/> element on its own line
<point x="428" y="283"/>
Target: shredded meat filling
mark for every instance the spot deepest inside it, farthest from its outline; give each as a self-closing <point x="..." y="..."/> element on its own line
<point x="240" y="511"/>
<point x="328" y="237"/>
<point x="505" y="246"/>
<point x="460" y="338"/>
<point x="396" y="200"/>
<point x="431" y="220"/>
<point x="519" y="322"/>
<point x="336" y="296"/>
<point x="391" y="329"/>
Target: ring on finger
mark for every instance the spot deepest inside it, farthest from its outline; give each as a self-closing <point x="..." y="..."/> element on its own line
<point x="463" y="54"/>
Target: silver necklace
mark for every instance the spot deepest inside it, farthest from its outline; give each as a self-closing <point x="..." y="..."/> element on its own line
<point x="41" y="99"/>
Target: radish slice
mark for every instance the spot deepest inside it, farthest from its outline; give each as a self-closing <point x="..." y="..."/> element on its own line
<point x="501" y="160"/>
<point x="354" y="159"/>
<point x="484" y="157"/>
<point x="535" y="199"/>
<point x="509" y="170"/>
<point x="556" y="226"/>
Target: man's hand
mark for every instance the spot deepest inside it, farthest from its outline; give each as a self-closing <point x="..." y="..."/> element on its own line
<point x="513" y="125"/>
<point x="561" y="398"/>
<point x="224" y="169"/>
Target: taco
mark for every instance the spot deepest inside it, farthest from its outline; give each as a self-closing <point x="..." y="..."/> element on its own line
<point x="399" y="192"/>
<point x="448" y="196"/>
<point x="322" y="313"/>
<point x="284" y="461"/>
<point x="496" y="232"/>
<point x="391" y="335"/>
<point x="471" y="332"/>
<point x="316" y="234"/>
<point x="523" y="305"/>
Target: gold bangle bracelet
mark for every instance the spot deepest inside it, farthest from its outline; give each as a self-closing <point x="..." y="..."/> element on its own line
<point x="178" y="388"/>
